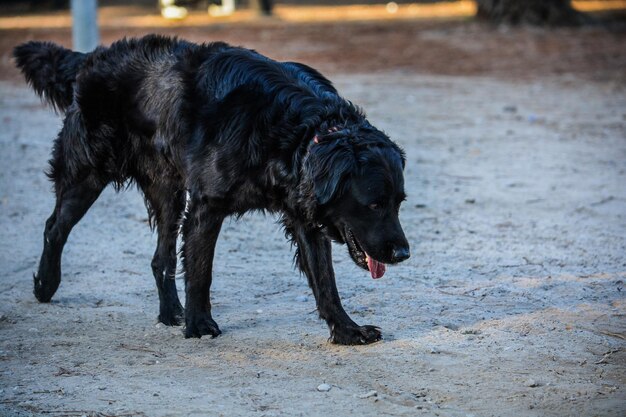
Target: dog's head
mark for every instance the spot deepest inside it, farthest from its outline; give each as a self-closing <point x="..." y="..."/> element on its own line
<point x="358" y="186"/>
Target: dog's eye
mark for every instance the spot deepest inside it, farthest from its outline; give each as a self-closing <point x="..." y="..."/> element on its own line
<point x="374" y="206"/>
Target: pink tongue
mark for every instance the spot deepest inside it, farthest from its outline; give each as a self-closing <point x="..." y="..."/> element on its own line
<point x="377" y="269"/>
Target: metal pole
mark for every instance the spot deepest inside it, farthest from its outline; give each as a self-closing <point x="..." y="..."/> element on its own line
<point x="85" y="25"/>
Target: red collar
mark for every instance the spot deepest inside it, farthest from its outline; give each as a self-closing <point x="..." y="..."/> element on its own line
<point x="316" y="139"/>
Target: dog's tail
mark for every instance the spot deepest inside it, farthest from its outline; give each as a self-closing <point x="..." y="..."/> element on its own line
<point x="50" y="69"/>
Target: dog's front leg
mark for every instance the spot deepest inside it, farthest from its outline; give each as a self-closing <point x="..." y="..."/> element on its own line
<point x="315" y="260"/>
<point x="201" y="228"/>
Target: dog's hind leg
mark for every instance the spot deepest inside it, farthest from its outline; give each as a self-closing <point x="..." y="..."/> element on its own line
<point x="315" y="260"/>
<point x="167" y="203"/>
<point x="201" y="228"/>
<point x="71" y="205"/>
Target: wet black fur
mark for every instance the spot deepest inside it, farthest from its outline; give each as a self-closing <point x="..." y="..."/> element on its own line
<point x="232" y="130"/>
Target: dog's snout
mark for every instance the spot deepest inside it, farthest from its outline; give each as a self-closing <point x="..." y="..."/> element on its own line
<point x="400" y="254"/>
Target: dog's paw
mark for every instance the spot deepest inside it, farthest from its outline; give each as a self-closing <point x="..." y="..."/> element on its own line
<point x="173" y="316"/>
<point x="44" y="289"/>
<point x="355" y="335"/>
<point x="201" y="324"/>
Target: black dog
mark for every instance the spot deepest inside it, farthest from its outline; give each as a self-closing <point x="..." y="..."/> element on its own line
<point x="218" y="130"/>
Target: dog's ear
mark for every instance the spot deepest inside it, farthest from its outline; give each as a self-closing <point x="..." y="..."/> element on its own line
<point x="329" y="166"/>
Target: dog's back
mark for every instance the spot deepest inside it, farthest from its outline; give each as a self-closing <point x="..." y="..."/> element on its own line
<point x="148" y="88"/>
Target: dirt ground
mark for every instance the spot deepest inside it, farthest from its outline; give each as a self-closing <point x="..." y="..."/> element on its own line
<point x="512" y="303"/>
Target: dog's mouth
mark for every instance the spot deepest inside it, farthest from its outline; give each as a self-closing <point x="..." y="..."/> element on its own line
<point x="361" y="258"/>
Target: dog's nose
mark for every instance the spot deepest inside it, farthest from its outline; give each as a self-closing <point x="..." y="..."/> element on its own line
<point x="400" y="254"/>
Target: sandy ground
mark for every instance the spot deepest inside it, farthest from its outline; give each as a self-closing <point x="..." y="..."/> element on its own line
<point x="511" y="305"/>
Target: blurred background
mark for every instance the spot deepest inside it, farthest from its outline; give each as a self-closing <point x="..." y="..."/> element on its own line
<point x="512" y="38"/>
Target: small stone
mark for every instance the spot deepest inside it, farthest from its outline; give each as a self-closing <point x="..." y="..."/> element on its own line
<point x="324" y="387"/>
<point x="159" y="325"/>
<point x="532" y="383"/>
<point x="435" y="351"/>
<point x="369" y="394"/>
<point x="302" y="298"/>
<point x="33" y="330"/>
